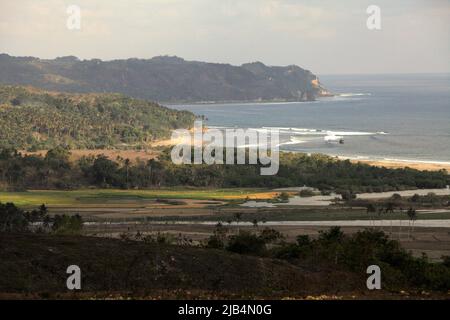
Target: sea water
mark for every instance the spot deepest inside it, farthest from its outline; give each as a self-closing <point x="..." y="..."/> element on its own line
<point x="393" y="117"/>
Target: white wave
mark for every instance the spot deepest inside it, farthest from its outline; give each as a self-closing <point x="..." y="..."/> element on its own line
<point x="294" y="131"/>
<point x="351" y="133"/>
<point x="292" y="141"/>
<point x="354" y="94"/>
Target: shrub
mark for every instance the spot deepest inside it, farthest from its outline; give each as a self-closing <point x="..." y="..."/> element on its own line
<point x="64" y="224"/>
<point x="284" y="196"/>
<point x="246" y="243"/>
<point x="347" y="195"/>
<point x="12" y="219"/>
<point x="306" y="193"/>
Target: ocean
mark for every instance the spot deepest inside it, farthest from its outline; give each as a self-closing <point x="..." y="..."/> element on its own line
<point x="379" y="117"/>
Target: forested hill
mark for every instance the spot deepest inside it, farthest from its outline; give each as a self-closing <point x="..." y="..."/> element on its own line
<point x="35" y="119"/>
<point x="164" y="79"/>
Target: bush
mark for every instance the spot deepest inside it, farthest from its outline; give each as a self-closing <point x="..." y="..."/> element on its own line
<point x="246" y="243"/>
<point x="270" y="235"/>
<point x="64" y="224"/>
<point x="306" y="193"/>
<point x="287" y="252"/>
<point x="12" y="219"/>
<point x="347" y="195"/>
<point x="284" y="196"/>
<point x="303" y="240"/>
<point x="215" y="242"/>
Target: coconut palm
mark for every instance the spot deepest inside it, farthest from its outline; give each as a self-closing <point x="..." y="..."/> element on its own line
<point x="412" y="215"/>
<point x="370" y="208"/>
<point x="390" y="206"/>
<point x="237" y="217"/>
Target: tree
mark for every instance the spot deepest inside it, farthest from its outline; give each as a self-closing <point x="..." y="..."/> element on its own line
<point x="246" y="243"/>
<point x="371" y="209"/>
<point x="348" y="195"/>
<point x="58" y="157"/>
<point x="104" y="170"/>
<point x="332" y="239"/>
<point x="390" y="206"/>
<point x="283" y="196"/>
<point x="415" y="198"/>
<point x="412" y="215"/>
<point x="396" y="198"/>
<point x="64" y="224"/>
<point x="306" y="193"/>
<point x="12" y="219"/>
<point x="127" y="163"/>
<point x="270" y="235"/>
<point x="237" y="217"/>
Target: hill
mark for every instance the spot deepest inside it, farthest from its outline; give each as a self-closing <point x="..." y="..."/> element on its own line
<point x="168" y="79"/>
<point x="36" y="266"/>
<point x="35" y="119"/>
<point x="138" y="268"/>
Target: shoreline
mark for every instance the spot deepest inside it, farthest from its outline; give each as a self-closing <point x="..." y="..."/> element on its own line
<point x="400" y="164"/>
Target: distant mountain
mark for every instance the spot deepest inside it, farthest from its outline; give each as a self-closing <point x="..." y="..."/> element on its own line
<point x="35" y="119"/>
<point x="164" y="79"/>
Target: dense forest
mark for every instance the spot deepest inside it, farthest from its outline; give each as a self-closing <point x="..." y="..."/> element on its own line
<point x="33" y="119"/>
<point x="55" y="171"/>
<point x="168" y="79"/>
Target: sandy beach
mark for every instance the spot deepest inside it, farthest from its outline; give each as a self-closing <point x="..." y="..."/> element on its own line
<point x="431" y="166"/>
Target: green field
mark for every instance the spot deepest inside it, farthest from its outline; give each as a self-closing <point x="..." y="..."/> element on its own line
<point x="86" y="196"/>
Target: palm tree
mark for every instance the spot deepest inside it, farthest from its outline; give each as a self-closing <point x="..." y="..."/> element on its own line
<point x="370" y="208"/>
<point x="127" y="163"/>
<point x="237" y="217"/>
<point x="412" y="215"/>
<point x="380" y="213"/>
<point x="390" y="206"/>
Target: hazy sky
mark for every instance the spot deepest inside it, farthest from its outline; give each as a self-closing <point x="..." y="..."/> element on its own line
<point x="323" y="36"/>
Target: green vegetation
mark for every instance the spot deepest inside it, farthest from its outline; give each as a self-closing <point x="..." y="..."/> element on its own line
<point x="306" y="193"/>
<point x="37" y="120"/>
<point x="55" y="171"/>
<point x="163" y="78"/>
<point x="105" y="196"/>
<point x="14" y="219"/>
<point x="351" y="253"/>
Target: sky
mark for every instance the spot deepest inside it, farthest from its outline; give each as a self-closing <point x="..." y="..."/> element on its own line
<point x="324" y="36"/>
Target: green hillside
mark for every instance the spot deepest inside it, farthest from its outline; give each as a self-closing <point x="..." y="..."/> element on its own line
<point x="170" y="79"/>
<point x="34" y="119"/>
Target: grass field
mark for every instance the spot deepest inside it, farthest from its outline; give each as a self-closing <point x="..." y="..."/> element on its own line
<point x="90" y="196"/>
